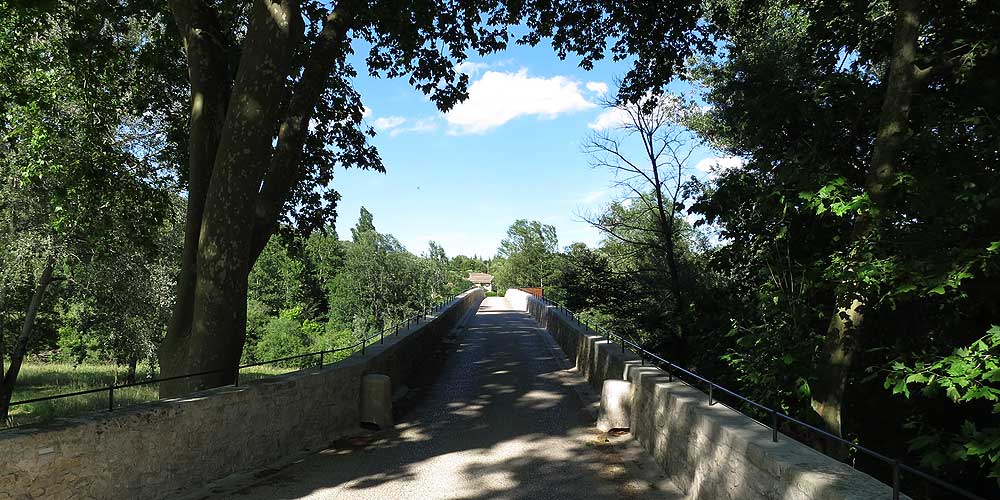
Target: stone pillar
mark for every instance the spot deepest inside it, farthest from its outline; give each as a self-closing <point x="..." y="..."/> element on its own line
<point x="615" y="407"/>
<point x="376" y="400"/>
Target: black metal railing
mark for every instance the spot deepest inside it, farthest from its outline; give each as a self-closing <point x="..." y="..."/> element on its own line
<point x="320" y="357"/>
<point x="776" y="417"/>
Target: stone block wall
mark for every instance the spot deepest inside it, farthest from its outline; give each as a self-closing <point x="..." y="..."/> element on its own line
<point x="710" y="452"/>
<point x="166" y="448"/>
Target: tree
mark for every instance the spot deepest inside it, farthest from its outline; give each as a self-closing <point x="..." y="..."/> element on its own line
<point x="118" y="301"/>
<point x="262" y="78"/>
<point x="526" y="254"/>
<point x="82" y="181"/>
<point x="278" y="278"/>
<point x="653" y="182"/>
<point x="859" y="232"/>
<point x="363" y="292"/>
<point x="464" y="265"/>
<point x="626" y="284"/>
<point x="436" y="271"/>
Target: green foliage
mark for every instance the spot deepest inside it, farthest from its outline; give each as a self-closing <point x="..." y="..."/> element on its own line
<point x="288" y="335"/>
<point x="381" y="283"/>
<point x="785" y="97"/>
<point x="278" y="280"/>
<point x="970" y="376"/>
<point x="315" y="293"/>
<point x="463" y="265"/>
<point x="525" y="256"/>
<point x="85" y="184"/>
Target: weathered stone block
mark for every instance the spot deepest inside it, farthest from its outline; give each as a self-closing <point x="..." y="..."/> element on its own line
<point x="615" y="405"/>
<point x="376" y="400"/>
<point x="710" y="452"/>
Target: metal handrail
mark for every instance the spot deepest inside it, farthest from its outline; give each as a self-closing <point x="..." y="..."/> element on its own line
<point x="363" y="343"/>
<point x="897" y="465"/>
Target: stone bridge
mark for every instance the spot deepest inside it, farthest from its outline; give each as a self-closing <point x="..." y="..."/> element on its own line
<point x="494" y="399"/>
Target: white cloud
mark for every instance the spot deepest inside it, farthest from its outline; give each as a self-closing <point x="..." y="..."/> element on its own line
<point x="597" y="87"/>
<point x="670" y="105"/>
<point x="471" y="68"/>
<point x="610" y="118"/>
<point x="593" y="196"/>
<point x="419" y="126"/>
<point x="387" y="123"/>
<point x="715" y="166"/>
<point x="497" y="98"/>
<point x="366" y="112"/>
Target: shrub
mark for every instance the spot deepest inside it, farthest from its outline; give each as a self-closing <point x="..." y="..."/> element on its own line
<point x="285" y="336"/>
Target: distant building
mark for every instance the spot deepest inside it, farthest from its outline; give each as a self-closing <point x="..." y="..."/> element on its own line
<point x="482" y="280"/>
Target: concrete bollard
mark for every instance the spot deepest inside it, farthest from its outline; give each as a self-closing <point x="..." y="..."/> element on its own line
<point x="376" y="400"/>
<point x="615" y="411"/>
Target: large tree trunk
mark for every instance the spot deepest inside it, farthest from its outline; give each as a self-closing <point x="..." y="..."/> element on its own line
<point x="844" y="330"/>
<point x="20" y="347"/>
<point x="243" y="182"/>
<point x="223" y="262"/>
<point x="210" y="85"/>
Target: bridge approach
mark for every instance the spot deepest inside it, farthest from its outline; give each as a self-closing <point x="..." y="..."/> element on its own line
<point x="502" y="418"/>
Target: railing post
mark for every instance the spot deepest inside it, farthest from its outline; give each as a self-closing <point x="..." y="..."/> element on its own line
<point x="711" y="397"/>
<point x="321" y="359"/>
<point x="895" y="480"/>
<point x="774" y="426"/>
<point x="364" y="340"/>
<point x="111" y="398"/>
<point x="381" y="337"/>
<point x="237" y="383"/>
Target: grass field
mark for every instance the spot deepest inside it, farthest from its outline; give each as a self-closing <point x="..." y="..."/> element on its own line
<point x="38" y="380"/>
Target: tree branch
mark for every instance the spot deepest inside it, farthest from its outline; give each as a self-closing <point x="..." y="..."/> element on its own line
<point x="285" y="171"/>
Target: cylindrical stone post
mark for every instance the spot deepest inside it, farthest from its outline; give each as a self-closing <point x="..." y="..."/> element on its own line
<point x="615" y="411"/>
<point x="376" y="400"/>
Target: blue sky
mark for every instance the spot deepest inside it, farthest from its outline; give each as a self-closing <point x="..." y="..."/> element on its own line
<point x="511" y="151"/>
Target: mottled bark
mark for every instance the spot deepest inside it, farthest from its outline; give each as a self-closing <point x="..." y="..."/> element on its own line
<point x="223" y="262"/>
<point x="246" y="182"/>
<point x="845" y="328"/>
<point x="20" y="347"/>
<point x="210" y="84"/>
<point x="285" y="169"/>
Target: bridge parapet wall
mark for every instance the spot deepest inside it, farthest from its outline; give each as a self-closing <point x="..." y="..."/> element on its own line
<point x="172" y="447"/>
<point x="710" y="452"/>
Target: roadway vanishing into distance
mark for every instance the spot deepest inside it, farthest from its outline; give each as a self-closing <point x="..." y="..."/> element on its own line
<point x="503" y="417"/>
